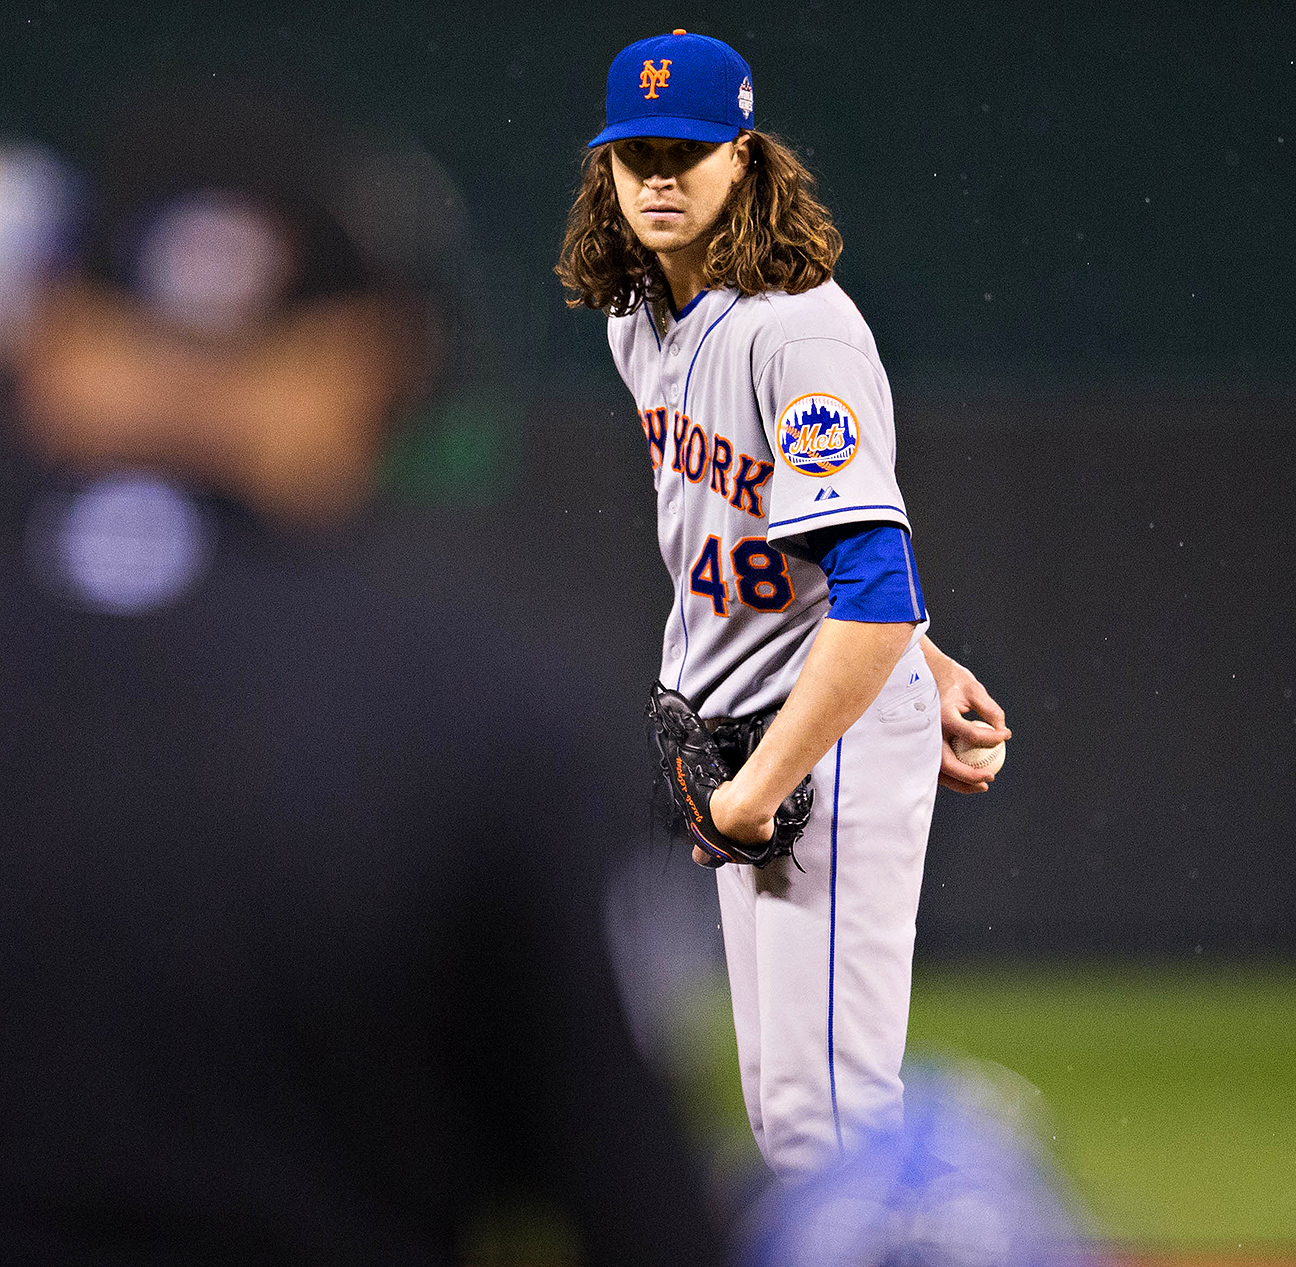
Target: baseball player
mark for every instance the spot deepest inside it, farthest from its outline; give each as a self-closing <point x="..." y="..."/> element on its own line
<point x="797" y="608"/>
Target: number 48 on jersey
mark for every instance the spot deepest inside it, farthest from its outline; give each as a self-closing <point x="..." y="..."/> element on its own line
<point x="759" y="571"/>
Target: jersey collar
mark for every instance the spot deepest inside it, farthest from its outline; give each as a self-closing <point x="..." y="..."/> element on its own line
<point x="688" y="307"/>
<point x="664" y="313"/>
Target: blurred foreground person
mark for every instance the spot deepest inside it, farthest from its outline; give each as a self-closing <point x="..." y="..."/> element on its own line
<point x="294" y="970"/>
<point x="963" y="1183"/>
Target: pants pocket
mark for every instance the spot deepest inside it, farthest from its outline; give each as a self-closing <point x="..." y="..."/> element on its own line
<point x="911" y="710"/>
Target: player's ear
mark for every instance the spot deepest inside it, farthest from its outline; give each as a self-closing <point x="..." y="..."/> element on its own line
<point x="742" y="156"/>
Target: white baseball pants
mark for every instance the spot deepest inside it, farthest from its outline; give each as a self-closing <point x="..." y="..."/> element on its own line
<point x="820" y="962"/>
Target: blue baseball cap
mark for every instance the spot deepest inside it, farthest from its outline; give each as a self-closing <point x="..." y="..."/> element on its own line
<point x="690" y="87"/>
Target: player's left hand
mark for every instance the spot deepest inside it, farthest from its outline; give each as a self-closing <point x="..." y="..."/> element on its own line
<point x="727" y="812"/>
<point x="961" y="693"/>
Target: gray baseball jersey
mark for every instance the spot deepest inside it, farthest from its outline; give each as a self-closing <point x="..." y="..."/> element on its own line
<point x="766" y="416"/>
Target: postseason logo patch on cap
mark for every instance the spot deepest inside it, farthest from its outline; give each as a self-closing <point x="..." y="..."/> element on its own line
<point x="817" y="434"/>
<point x="746" y="98"/>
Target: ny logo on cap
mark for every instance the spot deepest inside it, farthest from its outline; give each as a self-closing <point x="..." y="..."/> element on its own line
<point x="654" y="77"/>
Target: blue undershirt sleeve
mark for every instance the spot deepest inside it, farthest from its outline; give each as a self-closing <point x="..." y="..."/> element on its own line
<point x="871" y="573"/>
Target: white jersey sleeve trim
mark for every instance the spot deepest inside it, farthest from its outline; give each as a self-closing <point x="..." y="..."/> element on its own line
<point x="842" y="514"/>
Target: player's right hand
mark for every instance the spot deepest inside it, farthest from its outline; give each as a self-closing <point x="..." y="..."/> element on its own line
<point x="727" y="815"/>
<point x="961" y="693"/>
<point x="955" y="774"/>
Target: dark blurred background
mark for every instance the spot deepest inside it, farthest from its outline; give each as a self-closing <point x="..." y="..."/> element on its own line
<point x="1071" y="230"/>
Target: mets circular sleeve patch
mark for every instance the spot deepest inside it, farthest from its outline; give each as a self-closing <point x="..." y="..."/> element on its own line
<point x="817" y="434"/>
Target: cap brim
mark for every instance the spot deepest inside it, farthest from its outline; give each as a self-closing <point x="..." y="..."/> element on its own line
<point x="675" y="128"/>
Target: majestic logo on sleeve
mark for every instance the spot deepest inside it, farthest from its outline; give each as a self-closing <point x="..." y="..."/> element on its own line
<point x="654" y="77"/>
<point x="817" y="435"/>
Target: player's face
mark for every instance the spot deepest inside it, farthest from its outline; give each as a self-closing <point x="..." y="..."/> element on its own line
<point x="672" y="192"/>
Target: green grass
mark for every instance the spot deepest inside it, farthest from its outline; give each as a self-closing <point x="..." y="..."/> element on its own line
<point x="1169" y="1097"/>
<point x="1171" y="1090"/>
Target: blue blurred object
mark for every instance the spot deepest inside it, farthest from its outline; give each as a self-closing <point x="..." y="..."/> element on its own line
<point x="964" y="1184"/>
<point x="39" y="200"/>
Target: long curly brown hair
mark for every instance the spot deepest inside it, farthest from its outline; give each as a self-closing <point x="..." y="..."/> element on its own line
<point x="773" y="234"/>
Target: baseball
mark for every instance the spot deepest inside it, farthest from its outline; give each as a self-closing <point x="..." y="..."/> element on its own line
<point x="986" y="760"/>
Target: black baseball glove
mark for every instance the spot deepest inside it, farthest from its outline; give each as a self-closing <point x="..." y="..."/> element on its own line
<point x="693" y="767"/>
